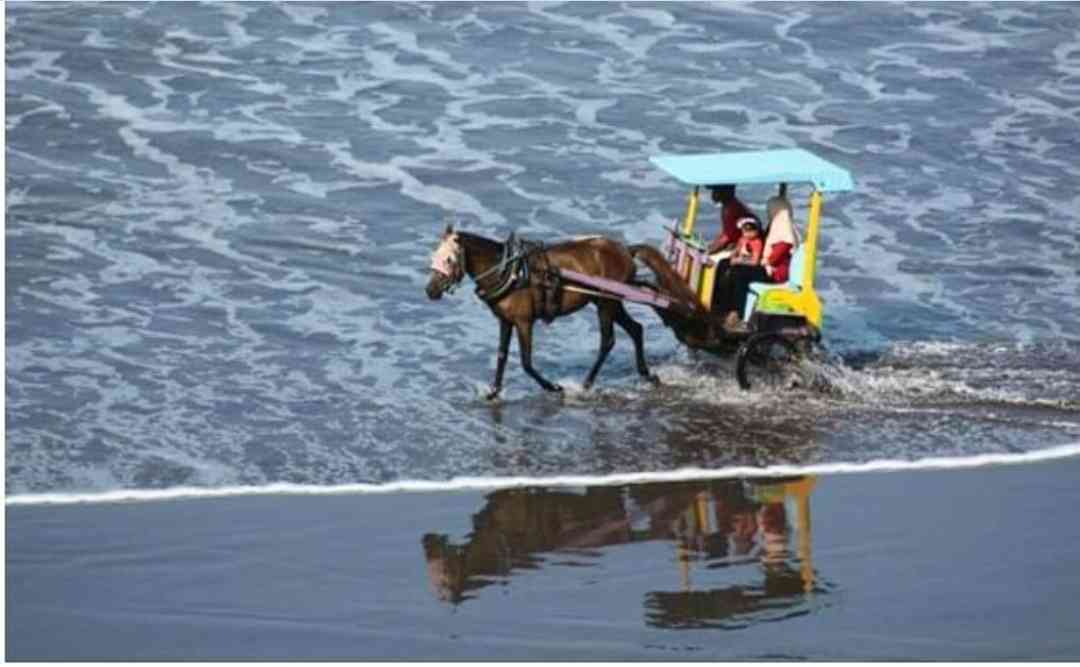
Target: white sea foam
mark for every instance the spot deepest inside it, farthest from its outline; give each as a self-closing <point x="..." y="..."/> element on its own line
<point x="449" y="199"/>
<point x="405" y="41"/>
<point x="304" y="14"/>
<point x="492" y="483"/>
<point x="634" y="43"/>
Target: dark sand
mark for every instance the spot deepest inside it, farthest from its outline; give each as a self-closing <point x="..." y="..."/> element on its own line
<point x="977" y="564"/>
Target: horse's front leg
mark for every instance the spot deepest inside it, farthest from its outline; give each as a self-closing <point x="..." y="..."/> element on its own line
<point x="505" y="329"/>
<point x="524" y="331"/>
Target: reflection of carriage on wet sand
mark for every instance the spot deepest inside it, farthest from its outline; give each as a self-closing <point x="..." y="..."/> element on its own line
<point x="522" y="281"/>
<point x="721" y="532"/>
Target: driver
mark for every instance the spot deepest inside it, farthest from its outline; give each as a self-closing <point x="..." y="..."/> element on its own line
<point x="731" y="211"/>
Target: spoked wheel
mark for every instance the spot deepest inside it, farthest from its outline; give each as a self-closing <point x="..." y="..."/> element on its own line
<point x="768" y="361"/>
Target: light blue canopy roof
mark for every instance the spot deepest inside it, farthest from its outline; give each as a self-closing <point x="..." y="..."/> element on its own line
<point x="790" y="165"/>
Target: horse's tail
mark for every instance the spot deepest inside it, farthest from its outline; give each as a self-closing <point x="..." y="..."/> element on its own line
<point x="670" y="281"/>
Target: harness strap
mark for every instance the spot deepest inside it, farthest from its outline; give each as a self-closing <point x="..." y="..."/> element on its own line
<point x="514" y="272"/>
<point x="550" y="284"/>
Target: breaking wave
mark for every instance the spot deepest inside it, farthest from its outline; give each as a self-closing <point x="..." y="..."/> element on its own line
<point x="493" y="483"/>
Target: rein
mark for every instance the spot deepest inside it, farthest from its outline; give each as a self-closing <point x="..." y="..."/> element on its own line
<point x="508" y="266"/>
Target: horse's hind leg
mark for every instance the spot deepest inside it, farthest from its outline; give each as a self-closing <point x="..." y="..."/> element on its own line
<point x="606" y="313"/>
<point x="635" y="330"/>
<point x="524" y="331"/>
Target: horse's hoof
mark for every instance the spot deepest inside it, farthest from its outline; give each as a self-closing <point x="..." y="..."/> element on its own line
<point x="556" y="389"/>
<point x="493" y="394"/>
<point x="653" y="380"/>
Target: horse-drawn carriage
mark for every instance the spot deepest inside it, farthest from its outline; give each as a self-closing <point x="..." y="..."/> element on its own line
<point x="783" y="321"/>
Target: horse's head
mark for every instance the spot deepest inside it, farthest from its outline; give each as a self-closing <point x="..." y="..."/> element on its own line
<point x="447" y="265"/>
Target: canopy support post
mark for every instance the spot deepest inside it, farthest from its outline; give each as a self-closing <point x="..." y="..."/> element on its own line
<point x="812" y="228"/>
<point x="691" y="212"/>
<point x="811" y="303"/>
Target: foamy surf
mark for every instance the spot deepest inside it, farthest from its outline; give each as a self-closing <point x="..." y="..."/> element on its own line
<point x="495" y="483"/>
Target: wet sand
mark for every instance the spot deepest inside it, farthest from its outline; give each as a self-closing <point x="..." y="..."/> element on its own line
<point x="975" y="564"/>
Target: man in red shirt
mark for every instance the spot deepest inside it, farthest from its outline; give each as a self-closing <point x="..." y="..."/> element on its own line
<point x="732" y="210"/>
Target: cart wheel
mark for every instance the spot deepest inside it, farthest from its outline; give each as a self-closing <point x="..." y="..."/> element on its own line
<point x="767" y="361"/>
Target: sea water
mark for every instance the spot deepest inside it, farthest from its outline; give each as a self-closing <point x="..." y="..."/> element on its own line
<point x="219" y="219"/>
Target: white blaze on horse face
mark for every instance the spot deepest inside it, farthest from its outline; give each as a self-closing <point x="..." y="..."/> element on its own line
<point x="445" y="256"/>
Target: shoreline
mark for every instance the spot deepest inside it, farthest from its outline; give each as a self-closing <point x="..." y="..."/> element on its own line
<point x="1057" y="452"/>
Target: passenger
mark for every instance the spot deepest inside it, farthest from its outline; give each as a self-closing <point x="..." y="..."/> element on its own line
<point x="731" y="212"/>
<point x="779" y="245"/>
<point x="781" y="240"/>
<point x="750" y="246"/>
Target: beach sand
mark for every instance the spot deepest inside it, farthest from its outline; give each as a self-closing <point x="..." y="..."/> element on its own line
<point x="980" y="563"/>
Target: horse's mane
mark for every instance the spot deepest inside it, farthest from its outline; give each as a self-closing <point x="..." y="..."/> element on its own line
<point x="476" y="238"/>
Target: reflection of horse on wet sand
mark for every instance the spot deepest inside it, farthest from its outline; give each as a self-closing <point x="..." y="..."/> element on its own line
<point x="522" y="282"/>
<point x="723" y="523"/>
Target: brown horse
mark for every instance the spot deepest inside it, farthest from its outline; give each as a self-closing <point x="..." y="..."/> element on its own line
<point x="522" y="286"/>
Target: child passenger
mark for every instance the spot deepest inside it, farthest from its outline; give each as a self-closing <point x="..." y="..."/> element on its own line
<point x="750" y="245"/>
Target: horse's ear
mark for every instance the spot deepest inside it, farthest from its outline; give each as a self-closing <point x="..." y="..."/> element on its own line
<point x="449" y="229"/>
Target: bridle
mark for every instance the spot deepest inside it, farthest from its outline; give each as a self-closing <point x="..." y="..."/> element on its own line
<point x="448" y="261"/>
<point x="512" y="269"/>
